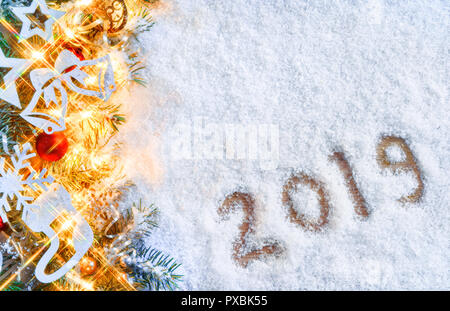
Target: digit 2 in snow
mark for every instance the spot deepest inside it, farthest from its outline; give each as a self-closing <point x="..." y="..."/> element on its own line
<point x="273" y="248"/>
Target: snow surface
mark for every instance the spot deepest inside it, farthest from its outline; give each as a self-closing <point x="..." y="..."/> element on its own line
<point x="328" y="75"/>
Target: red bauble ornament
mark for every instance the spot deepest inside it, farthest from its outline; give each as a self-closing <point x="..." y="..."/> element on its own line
<point x="51" y="147"/>
<point x="77" y="51"/>
<point x="2" y="224"/>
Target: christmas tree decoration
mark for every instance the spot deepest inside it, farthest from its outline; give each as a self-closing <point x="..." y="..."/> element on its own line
<point x="39" y="216"/>
<point x="64" y="208"/>
<point x="101" y="68"/>
<point x="49" y="82"/>
<point x="88" y="266"/>
<point x="13" y="68"/>
<point x="51" y="147"/>
<point x="37" y="20"/>
<point x="117" y="14"/>
<point x="2" y="226"/>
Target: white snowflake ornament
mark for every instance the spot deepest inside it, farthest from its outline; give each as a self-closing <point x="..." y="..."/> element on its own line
<point x="13" y="182"/>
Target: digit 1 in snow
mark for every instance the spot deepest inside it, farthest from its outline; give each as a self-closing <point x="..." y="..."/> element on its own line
<point x="408" y="164"/>
<point x="357" y="198"/>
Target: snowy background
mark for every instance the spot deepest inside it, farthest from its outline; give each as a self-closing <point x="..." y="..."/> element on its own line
<point x="329" y="75"/>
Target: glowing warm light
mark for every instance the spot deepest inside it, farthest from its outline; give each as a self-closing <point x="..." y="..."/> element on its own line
<point x="37" y="55"/>
<point x="55" y="113"/>
<point x="86" y="114"/>
<point x="97" y="161"/>
<point x="70" y="34"/>
<point x="84" y="2"/>
<point x="67" y="224"/>
<point x="123" y="277"/>
<point x="88" y="285"/>
<point x="76" y="150"/>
